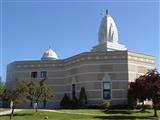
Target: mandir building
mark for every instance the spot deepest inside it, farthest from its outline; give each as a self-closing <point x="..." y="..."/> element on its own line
<point x="104" y="72"/>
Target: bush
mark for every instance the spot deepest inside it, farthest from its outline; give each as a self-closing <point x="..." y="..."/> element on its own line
<point x="82" y="102"/>
<point x="105" y="105"/>
<point x="66" y="102"/>
<point x="122" y="106"/>
<point x="132" y="102"/>
<point x="158" y="106"/>
<point x="91" y="106"/>
<point x="147" y="106"/>
<point x="74" y="102"/>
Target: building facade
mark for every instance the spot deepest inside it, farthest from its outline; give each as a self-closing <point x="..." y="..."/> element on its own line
<point x="105" y="72"/>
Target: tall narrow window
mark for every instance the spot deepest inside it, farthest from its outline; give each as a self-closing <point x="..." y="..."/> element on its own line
<point x="73" y="90"/>
<point x="34" y="74"/>
<point x="44" y="74"/>
<point x="106" y="90"/>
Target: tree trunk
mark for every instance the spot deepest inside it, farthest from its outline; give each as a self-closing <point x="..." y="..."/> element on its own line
<point x="44" y="103"/>
<point x="155" y="110"/>
<point x="37" y="106"/>
<point x="36" y="109"/>
<point x="31" y="103"/>
<point x="11" y="115"/>
<point x="142" y="109"/>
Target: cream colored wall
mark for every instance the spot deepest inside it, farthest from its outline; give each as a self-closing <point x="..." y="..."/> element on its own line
<point x="139" y="64"/>
<point x="86" y="70"/>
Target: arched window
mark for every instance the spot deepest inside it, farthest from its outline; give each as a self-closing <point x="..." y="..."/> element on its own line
<point x="73" y="90"/>
<point x="73" y="87"/>
<point x="43" y="74"/>
<point x="106" y="87"/>
<point x="106" y="90"/>
<point x="34" y="74"/>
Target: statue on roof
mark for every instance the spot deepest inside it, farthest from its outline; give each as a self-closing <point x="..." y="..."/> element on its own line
<point x="108" y="35"/>
<point x="107" y="30"/>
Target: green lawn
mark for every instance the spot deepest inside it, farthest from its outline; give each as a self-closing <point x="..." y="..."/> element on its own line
<point x="4" y="109"/>
<point x="90" y="111"/>
<point x="100" y="115"/>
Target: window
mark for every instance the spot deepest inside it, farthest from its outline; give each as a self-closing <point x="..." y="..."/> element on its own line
<point x="33" y="74"/>
<point x="106" y="90"/>
<point x="73" y="90"/>
<point x="44" y="74"/>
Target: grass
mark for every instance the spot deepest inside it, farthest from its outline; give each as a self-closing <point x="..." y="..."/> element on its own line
<point x="90" y="111"/>
<point x="99" y="115"/>
<point x="31" y="115"/>
<point x="4" y="109"/>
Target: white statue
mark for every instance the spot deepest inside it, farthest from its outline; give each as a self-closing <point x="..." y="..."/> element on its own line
<point x="107" y="30"/>
<point x="108" y="35"/>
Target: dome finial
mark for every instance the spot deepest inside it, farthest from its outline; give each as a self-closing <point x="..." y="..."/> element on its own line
<point x="106" y="11"/>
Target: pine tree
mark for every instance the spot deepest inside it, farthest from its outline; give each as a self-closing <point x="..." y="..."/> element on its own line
<point x="65" y="103"/>
<point x="82" y="98"/>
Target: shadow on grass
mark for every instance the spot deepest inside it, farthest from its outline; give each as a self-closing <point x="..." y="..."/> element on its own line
<point x="126" y="117"/>
<point x="143" y="111"/>
<point x="123" y="112"/>
<point x="118" y="112"/>
<point x="20" y="114"/>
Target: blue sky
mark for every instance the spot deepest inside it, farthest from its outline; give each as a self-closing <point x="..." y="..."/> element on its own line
<point x="29" y="27"/>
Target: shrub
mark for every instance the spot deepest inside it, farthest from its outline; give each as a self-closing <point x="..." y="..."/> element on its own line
<point x="82" y="98"/>
<point x="147" y="106"/>
<point x="66" y="102"/>
<point x="92" y="106"/>
<point x="158" y="106"/>
<point x="74" y="102"/>
<point x="105" y="105"/>
<point x="132" y="102"/>
<point x="121" y="106"/>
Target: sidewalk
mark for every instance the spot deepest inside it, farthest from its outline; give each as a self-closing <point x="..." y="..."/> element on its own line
<point x="9" y="111"/>
<point x="73" y="113"/>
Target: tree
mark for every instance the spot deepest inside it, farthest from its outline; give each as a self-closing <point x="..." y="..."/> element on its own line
<point x="38" y="91"/>
<point x="31" y="91"/>
<point x="74" y="102"/>
<point x="139" y="89"/>
<point x="132" y="101"/>
<point x="15" y="95"/>
<point x="153" y="83"/>
<point x="82" y="97"/>
<point x="147" y="87"/>
<point x="46" y="94"/>
<point x="65" y="103"/>
<point x="24" y="91"/>
<point x="1" y="89"/>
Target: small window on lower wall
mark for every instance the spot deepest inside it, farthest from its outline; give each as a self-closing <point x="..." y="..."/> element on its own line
<point x="44" y="74"/>
<point x="73" y="90"/>
<point x="33" y="74"/>
<point x="106" y="90"/>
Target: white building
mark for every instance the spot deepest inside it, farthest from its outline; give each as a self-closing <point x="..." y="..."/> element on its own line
<point x="104" y="72"/>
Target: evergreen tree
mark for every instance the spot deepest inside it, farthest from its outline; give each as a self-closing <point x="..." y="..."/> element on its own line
<point x="74" y="102"/>
<point x="82" y="98"/>
<point x="65" y="103"/>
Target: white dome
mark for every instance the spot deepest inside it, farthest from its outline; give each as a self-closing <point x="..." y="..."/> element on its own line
<point x="107" y="30"/>
<point x="49" y="55"/>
